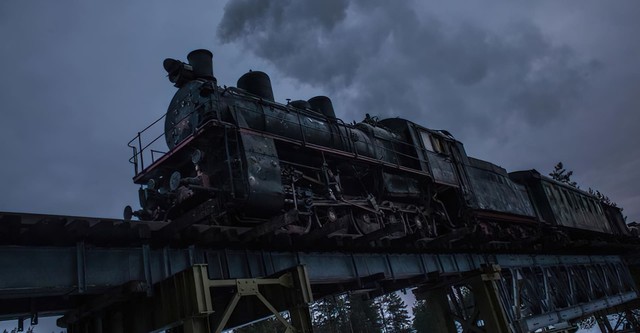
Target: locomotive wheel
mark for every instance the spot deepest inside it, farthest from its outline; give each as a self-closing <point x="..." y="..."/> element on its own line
<point x="331" y="217"/>
<point x="396" y="222"/>
<point x="300" y="227"/>
<point x="324" y="215"/>
<point x="365" y="222"/>
<point x="418" y="223"/>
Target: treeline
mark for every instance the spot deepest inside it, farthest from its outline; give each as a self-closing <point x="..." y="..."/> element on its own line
<point x="349" y="314"/>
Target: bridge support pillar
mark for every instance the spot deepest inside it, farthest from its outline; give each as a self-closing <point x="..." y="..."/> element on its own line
<point x="290" y="291"/>
<point x="487" y="300"/>
<point x="301" y="318"/>
<point x="189" y="302"/>
<point x="472" y="303"/>
<point x="440" y="318"/>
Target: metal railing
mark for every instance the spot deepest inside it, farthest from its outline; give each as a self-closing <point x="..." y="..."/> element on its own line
<point x="139" y="148"/>
<point x="137" y="159"/>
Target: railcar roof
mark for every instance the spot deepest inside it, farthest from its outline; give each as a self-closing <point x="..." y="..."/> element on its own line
<point x="555" y="182"/>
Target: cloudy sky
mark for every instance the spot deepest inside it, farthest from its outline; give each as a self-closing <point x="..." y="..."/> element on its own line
<point x="524" y="84"/>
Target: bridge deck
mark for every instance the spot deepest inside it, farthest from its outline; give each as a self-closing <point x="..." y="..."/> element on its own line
<point x="54" y="279"/>
<point x="51" y="264"/>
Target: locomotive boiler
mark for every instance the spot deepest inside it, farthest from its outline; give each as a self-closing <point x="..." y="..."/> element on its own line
<point x="239" y="160"/>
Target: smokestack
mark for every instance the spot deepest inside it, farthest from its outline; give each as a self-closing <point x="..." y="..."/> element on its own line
<point x="202" y="62"/>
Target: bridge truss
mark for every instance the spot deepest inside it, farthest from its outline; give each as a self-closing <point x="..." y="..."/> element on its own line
<point x="147" y="286"/>
<point x="525" y="292"/>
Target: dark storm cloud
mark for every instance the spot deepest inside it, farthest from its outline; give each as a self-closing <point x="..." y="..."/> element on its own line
<point x="522" y="84"/>
<point x="394" y="62"/>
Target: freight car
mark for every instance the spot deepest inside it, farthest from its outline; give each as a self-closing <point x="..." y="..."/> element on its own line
<point x="240" y="160"/>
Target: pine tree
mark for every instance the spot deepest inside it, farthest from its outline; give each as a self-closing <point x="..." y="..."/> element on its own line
<point x="331" y="315"/>
<point x="587" y="323"/>
<point x="421" y="317"/>
<point x="603" y="198"/>
<point x="396" y="317"/>
<point x="560" y="174"/>
<point x="364" y="317"/>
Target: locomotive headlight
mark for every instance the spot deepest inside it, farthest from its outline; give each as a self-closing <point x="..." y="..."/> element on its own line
<point x="151" y="184"/>
<point x="179" y="73"/>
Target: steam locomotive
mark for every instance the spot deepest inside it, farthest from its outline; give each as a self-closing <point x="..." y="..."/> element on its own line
<point x="240" y="160"/>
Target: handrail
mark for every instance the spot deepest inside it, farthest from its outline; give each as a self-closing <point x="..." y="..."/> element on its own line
<point x="138" y="151"/>
<point x="156" y="152"/>
<point x="136" y="144"/>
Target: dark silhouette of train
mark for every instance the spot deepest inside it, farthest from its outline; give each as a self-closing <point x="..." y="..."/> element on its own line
<point x="239" y="160"/>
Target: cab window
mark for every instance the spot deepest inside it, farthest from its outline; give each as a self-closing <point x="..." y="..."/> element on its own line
<point x="426" y="140"/>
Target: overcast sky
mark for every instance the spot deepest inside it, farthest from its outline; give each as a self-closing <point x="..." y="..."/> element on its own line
<point x="523" y="84"/>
